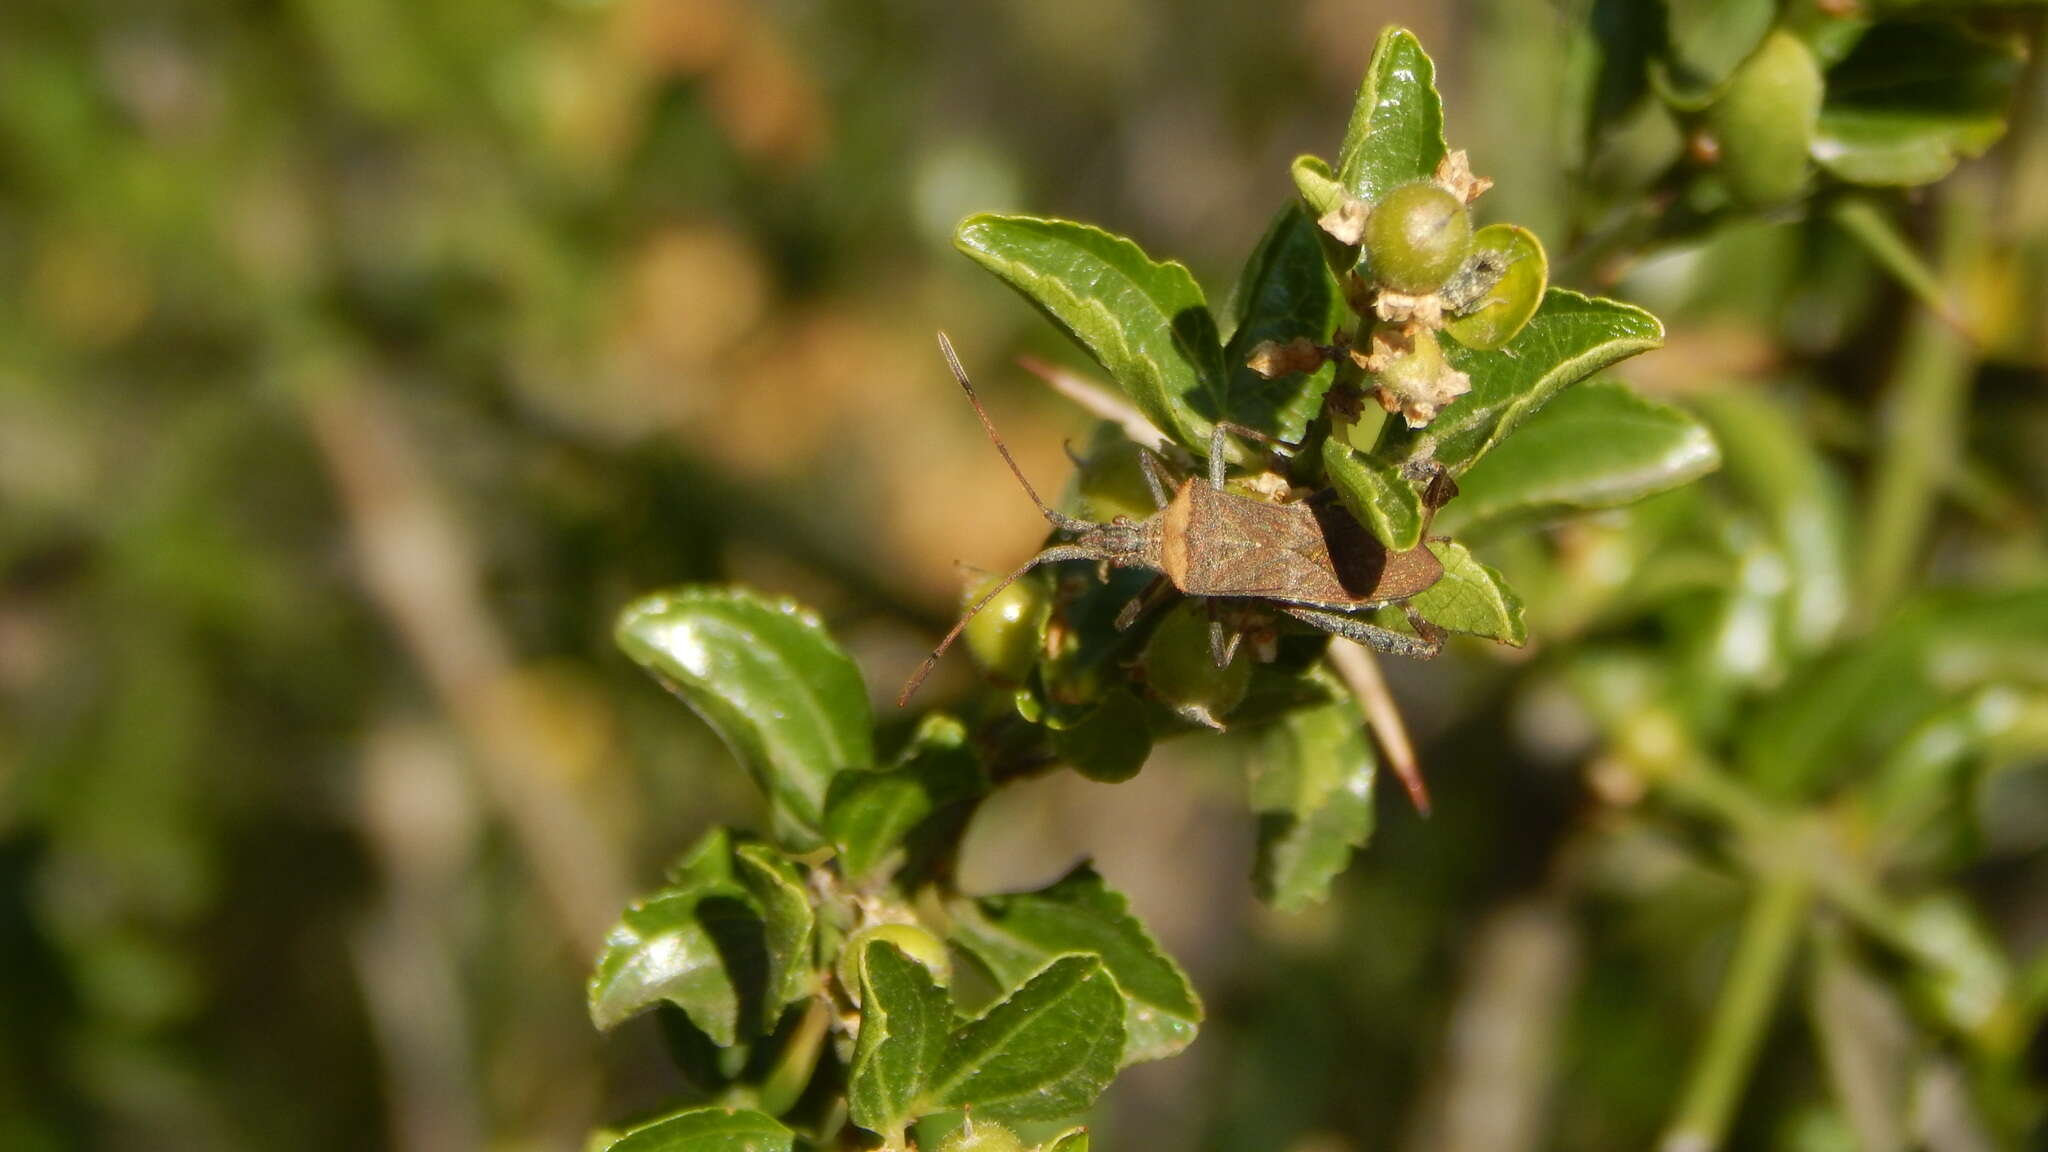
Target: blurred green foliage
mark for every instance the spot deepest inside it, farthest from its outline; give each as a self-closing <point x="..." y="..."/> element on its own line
<point x="359" y="359"/>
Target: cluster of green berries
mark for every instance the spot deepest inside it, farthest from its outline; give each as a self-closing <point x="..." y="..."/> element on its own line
<point x="1415" y="270"/>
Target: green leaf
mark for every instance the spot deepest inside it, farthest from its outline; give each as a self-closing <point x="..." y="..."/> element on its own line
<point x="1922" y="798"/>
<point x="1500" y="315"/>
<point x="1570" y="338"/>
<point x="1964" y="975"/>
<point x="905" y="1019"/>
<point x="1911" y="100"/>
<point x="1600" y="445"/>
<point x="1146" y="323"/>
<point x="709" y="861"/>
<point x="1312" y="780"/>
<point x="1374" y="493"/>
<point x="1286" y="291"/>
<point x="766" y="676"/>
<point x="1014" y="935"/>
<point x="1320" y="192"/>
<point x="674" y="946"/>
<point x="1044" y="1052"/>
<point x="1774" y="465"/>
<point x="1396" y="132"/>
<point x="707" y="1130"/>
<point x="1858" y="703"/>
<point x="1470" y="598"/>
<point x="788" y="924"/>
<point x="1075" y="1141"/>
<point x="870" y="814"/>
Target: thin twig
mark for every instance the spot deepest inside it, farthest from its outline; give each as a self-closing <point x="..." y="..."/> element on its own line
<point x="1098" y="400"/>
<point x="1361" y="674"/>
<point x="1748" y="999"/>
<point x="418" y="570"/>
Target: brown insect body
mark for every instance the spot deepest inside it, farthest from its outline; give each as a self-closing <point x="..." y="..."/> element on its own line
<point x="1214" y="542"/>
<point x="1310" y="559"/>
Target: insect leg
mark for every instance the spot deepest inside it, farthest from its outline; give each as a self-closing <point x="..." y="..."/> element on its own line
<point x="1371" y="635"/>
<point x="1223" y="640"/>
<point x="1266" y="438"/>
<point x="1217" y="443"/>
<point x="1156" y="479"/>
<point x="1153" y="593"/>
<point x="1430" y="633"/>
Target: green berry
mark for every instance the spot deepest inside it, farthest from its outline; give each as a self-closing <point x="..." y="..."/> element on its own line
<point x="1183" y="673"/>
<point x="1110" y="743"/>
<point x="911" y="940"/>
<point x="1111" y="479"/>
<point x="1007" y="637"/>
<point x="1417" y="236"/>
<point x="982" y="1136"/>
<point x="1765" y="122"/>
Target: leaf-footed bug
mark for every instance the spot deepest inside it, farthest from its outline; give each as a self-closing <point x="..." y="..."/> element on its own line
<point x="1310" y="559"/>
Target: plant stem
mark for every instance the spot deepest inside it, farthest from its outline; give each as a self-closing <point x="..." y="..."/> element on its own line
<point x="1755" y="976"/>
<point x="1773" y="841"/>
<point x="1918" y="439"/>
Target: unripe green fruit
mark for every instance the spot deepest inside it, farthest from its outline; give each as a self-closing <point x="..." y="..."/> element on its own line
<point x="1766" y="120"/>
<point x="1109" y="744"/>
<point x="1416" y="237"/>
<point x="1111" y="479"/>
<point x="1182" y="672"/>
<point x="1007" y="637"/>
<point x="914" y="942"/>
<point x="982" y="1136"/>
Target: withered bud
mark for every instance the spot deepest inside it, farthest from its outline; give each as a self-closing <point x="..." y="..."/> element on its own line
<point x="1401" y="308"/>
<point x="1346" y="222"/>
<point x="1270" y="485"/>
<point x="1409" y="373"/>
<point x="1272" y="359"/>
<point x="1454" y="172"/>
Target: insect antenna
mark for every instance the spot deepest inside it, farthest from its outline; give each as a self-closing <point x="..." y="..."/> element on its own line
<point x="1057" y="519"/>
<point x="1056" y="552"/>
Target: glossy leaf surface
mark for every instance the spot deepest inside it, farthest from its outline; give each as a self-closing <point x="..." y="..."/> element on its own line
<point x="1598" y="445"/>
<point x="673" y="947"/>
<point x="1911" y="100"/>
<point x="1396" y="132"/>
<point x="1471" y="598"/>
<point x="1145" y="322"/>
<point x="1045" y="1051"/>
<point x="1312" y="780"/>
<point x="1375" y="494"/>
<point x="870" y="814"/>
<point x="766" y="676"/>
<point x="1285" y="292"/>
<point x="787" y="923"/>
<point x="1015" y="935"/>
<point x="707" y="1130"/>
<point x="1570" y="337"/>
<point x="905" y="1018"/>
